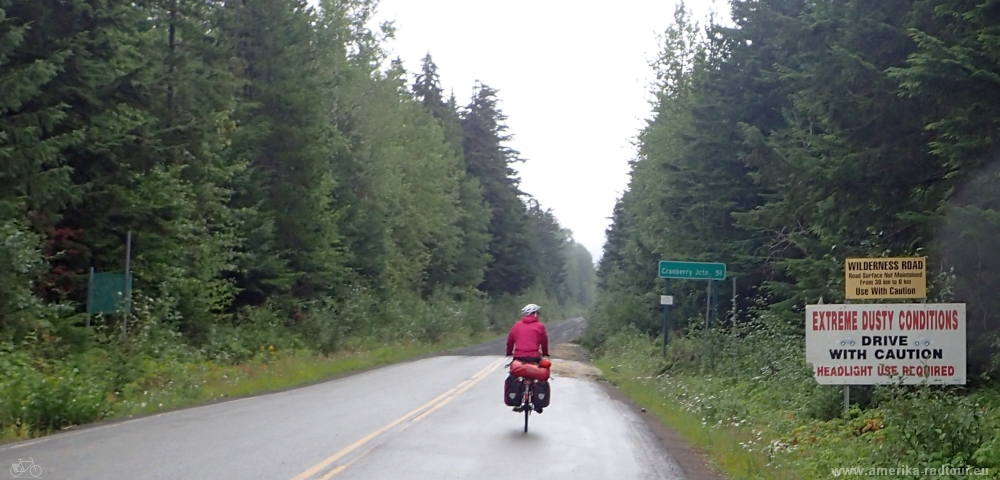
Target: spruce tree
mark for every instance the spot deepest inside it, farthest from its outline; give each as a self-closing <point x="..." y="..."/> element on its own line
<point x="488" y="159"/>
<point x="287" y="139"/>
<point x="462" y="267"/>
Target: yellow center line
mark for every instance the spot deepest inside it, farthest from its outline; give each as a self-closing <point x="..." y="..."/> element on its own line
<point x="335" y="471"/>
<point x="488" y="371"/>
<point x="367" y="438"/>
<point x="340" y="468"/>
<point x="457" y="393"/>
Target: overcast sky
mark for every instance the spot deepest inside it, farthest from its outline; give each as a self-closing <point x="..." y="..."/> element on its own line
<point x="573" y="79"/>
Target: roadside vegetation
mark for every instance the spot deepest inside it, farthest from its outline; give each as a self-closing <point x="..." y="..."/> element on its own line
<point x="749" y="401"/>
<point x="300" y="205"/>
<point x="789" y="137"/>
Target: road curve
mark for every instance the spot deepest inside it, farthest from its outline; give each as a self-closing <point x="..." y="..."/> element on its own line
<point x="439" y="417"/>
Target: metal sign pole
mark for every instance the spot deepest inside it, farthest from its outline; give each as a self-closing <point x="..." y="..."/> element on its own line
<point x="128" y="283"/>
<point x="847" y="388"/>
<point x="666" y="315"/>
<point x="734" y="300"/>
<point x="90" y="293"/>
<point x="847" y="398"/>
<point x="715" y="301"/>
<point x="708" y="306"/>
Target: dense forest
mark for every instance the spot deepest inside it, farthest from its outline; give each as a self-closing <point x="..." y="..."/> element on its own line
<point x="285" y="185"/>
<point x="784" y="139"/>
<point x="802" y="133"/>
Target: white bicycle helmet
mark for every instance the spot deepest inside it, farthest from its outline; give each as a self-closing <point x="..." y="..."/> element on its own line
<point x="530" y="308"/>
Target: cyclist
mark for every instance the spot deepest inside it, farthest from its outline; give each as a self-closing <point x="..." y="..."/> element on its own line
<point x="528" y="341"/>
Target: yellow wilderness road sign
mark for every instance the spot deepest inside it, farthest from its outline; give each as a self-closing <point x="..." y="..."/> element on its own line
<point x="874" y="278"/>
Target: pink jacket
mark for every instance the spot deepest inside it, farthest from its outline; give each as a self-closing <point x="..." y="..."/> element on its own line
<point x="528" y="335"/>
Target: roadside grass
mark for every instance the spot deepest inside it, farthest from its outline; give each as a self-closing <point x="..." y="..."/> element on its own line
<point x="167" y="386"/>
<point x="724" y="446"/>
<point x="301" y="369"/>
<point x="755" y="409"/>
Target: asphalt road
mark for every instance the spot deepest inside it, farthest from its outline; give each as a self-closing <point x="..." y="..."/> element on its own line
<point x="435" y="418"/>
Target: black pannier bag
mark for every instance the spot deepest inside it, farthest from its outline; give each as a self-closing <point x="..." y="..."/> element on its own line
<point x="512" y="391"/>
<point x="542" y="394"/>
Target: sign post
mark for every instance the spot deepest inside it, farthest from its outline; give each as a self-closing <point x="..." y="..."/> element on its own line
<point x="733" y="320"/>
<point x="90" y="285"/>
<point x="666" y="301"/>
<point x="710" y="271"/>
<point x="876" y="344"/>
<point x="128" y="282"/>
<point x="708" y="305"/>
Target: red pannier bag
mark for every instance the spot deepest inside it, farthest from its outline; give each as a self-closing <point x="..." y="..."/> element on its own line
<point x="528" y="370"/>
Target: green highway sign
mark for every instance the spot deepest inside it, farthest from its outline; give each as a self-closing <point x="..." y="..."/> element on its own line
<point x="693" y="270"/>
<point x="106" y="293"/>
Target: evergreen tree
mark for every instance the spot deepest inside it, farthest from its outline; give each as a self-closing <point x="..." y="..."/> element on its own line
<point x="489" y="160"/>
<point x="551" y="241"/>
<point x="414" y="181"/>
<point x="34" y="132"/>
<point x="289" y="143"/>
<point x="463" y="263"/>
<point x="951" y="74"/>
<point x="808" y="133"/>
<point x="580" y="274"/>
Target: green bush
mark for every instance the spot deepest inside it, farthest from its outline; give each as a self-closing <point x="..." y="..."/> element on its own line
<point x="47" y="396"/>
<point x="616" y="310"/>
<point x="252" y="332"/>
<point x="933" y="427"/>
<point x="753" y="378"/>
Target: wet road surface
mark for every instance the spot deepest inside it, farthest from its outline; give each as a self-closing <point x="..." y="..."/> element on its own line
<point x="436" y="418"/>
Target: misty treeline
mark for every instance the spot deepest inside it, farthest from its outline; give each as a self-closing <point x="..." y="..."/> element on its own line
<point x="281" y="177"/>
<point x="802" y="132"/>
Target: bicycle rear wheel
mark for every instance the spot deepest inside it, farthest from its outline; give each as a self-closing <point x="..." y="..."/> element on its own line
<point x="527" y="411"/>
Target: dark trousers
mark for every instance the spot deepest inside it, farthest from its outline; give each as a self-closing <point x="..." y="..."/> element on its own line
<point x="534" y="360"/>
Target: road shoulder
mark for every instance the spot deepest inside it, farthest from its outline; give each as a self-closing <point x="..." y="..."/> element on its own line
<point x="692" y="461"/>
